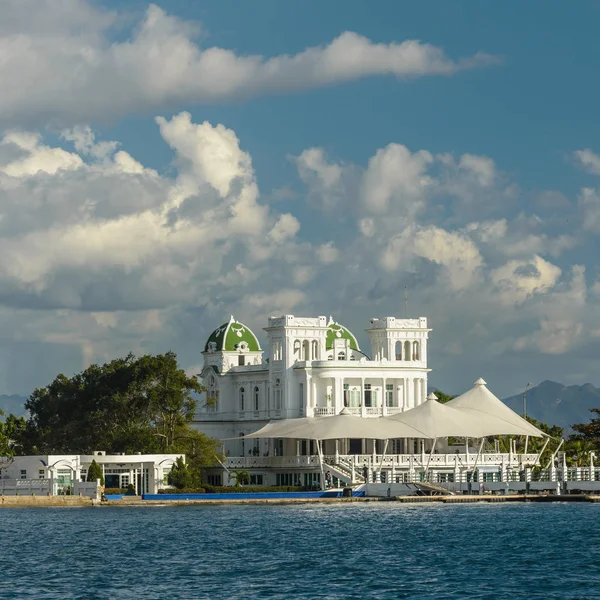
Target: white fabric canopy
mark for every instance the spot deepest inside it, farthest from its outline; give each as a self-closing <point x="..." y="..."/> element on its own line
<point x="342" y="426"/>
<point x="442" y="420"/>
<point x="482" y="403"/>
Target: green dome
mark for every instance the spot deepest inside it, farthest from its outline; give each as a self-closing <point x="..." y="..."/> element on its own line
<point x="337" y="331"/>
<point x="230" y="335"/>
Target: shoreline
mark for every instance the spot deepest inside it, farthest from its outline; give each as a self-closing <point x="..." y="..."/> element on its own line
<point x="82" y="501"/>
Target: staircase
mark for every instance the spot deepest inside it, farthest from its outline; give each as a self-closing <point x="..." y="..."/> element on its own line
<point x="343" y="472"/>
<point x="431" y="489"/>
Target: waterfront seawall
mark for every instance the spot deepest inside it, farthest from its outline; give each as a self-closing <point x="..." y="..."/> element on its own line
<point x="44" y="501"/>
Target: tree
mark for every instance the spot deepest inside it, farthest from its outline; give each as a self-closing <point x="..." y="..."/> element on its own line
<point x="11" y="433"/>
<point x="126" y="405"/>
<point x="443" y="398"/>
<point x="95" y="472"/>
<point x="180" y="476"/>
<point x="241" y="477"/>
<point x="590" y="432"/>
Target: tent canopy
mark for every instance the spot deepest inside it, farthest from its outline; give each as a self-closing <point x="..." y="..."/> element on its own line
<point x="442" y="420"/>
<point x="481" y="402"/>
<point x="341" y="426"/>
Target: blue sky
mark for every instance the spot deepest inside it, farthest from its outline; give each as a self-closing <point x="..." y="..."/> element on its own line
<point x="339" y="181"/>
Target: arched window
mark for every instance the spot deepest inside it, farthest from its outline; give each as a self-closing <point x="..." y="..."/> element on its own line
<point x="242" y="444"/>
<point x="306" y="346"/>
<point x="242" y="398"/>
<point x="416" y="351"/>
<point x="297" y="349"/>
<point x="256" y="397"/>
<point x="407" y="352"/>
<point x="315" y="350"/>
<point x="398" y="350"/>
<point x="341" y="356"/>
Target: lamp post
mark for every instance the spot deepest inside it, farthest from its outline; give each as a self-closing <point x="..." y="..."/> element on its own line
<point x="525" y="401"/>
<point x="525" y="414"/>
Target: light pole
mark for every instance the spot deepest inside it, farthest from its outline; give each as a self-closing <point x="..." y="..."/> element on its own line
<point x="525" y="414"/>
<point x="525" y="401"/>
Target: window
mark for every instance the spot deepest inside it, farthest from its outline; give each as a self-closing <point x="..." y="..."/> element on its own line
<point x="368" y="395"/>
<point x="297" y="348"/>
<point x="407" y="352"/>
<point x="341" y="356"/>
<point x="346" y="395"/>
<point x="389" y="394"/>
<point x="241" y="360"/>
<point x="242" y="444"/>
<point x="300" y="395"/>
<point x="256" y="397"/>
<point x="277" y="394"/>
<point x="242" y="394"/>
<point x="256" y="479"/>
<point x="416" y="351"/>
<point x="42" y="474"/>
<point x="278" y="447"/>
<point x="315" y="350"/>
<point x="23" y="474"/>
<point x="214" y="479"/>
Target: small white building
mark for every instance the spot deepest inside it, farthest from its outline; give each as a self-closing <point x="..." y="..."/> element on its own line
<point x="56" y="473"/>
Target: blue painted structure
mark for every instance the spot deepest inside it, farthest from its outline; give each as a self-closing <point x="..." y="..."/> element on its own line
<point x="251" y="495"/>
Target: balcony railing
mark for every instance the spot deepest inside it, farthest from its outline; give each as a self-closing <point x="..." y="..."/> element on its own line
<point x="390" y="461"/>
<point x="368" y="411"/>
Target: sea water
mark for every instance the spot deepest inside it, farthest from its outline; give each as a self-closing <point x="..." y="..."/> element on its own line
<point x="383" y="550"/>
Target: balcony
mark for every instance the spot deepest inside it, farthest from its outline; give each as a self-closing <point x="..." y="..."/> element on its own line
<point x="368" y="411"/>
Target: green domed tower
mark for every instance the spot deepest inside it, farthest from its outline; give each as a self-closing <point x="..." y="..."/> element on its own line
<point x="230" y="345"/>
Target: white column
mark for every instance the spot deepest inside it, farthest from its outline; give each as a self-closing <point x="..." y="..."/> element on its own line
<point x="362" y="397"/>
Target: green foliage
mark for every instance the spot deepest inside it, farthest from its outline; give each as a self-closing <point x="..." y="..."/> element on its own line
<point x="443" y="398"/>
<point x="115" y="491"/>
<point x="11" y="432"/>
<point x="126" y="405"/>
<point x="241" y="477"/>
<point x="180" y="476"/>
<point x="219" y="489"/>
<point x="95" y="472"/>
<point x="589" y="432"/>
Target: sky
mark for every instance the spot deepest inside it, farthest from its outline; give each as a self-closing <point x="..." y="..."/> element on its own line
<point x="163" y="166"/>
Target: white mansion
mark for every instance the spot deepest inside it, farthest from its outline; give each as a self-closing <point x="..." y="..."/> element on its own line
<point x="315" y="368"/>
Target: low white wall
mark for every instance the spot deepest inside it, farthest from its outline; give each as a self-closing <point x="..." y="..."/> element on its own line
<point x="25" y="487"/>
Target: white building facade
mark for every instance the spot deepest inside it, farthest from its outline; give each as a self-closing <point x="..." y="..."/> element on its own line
<point x="315" y="368"/>
<point x="65" y="473"/>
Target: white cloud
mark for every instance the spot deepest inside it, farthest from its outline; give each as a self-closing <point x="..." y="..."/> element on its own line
<point x="517" y="280"/>
<point x="34" y="157"/>
<point x="396" y="176"/>
<point x="328" y="253"/>
<point x="589" y="205"/>
<point x="588" y="160"/>
<point x="61" y="63"/>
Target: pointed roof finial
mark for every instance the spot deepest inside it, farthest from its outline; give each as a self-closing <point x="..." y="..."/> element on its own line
<point x="481" y="381"/>
<point x="432" y="396"/>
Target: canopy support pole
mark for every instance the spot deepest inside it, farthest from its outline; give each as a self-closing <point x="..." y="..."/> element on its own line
<point x="539" y="456"/>
<point x="382" y="457"/>
<point x="320" y="453"/>
<point x="526" y="444"/>
<point x="477" y="457"/>
<point x="430" y="455"/>
<point x="562" y="441"/>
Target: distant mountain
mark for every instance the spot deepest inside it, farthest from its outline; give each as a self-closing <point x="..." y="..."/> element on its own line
<point x="13" y="404"/>
<point x="557" y="404"/>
